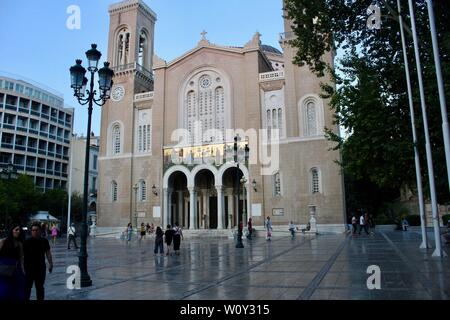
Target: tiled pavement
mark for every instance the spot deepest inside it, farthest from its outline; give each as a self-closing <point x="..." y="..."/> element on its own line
<point x="325" y="267"/>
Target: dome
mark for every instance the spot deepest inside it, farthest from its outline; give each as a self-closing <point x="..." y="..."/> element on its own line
<point x="270" y="49"/>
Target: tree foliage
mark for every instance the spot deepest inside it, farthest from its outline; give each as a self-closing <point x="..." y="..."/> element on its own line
<point x="369" y="95"/>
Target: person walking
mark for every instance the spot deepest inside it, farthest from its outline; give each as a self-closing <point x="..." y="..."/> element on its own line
<point x="143" y="232"/>
<point x="292" y="227"/>
<point x="129" y="231"/>
<point x="168" y="236"/>
<point x="36" y="249"/>
<point x="54" y="233"/>
<point x="405" y="224"/>
<point x="250" y="229"/>
<point x="177" y="236"/>
<point x="12" y="277"/>
<point x="362" y="224"/>
<point x="268" y="225"/>
<point x="72" y="236"/>
<point x="159" y="241"/>
<point x="354" y="224"/>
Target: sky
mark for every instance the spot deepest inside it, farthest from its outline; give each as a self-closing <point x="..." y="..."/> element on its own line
<point x="36" y="43"/>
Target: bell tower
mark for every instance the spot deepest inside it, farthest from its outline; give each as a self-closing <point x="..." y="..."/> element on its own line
<point x="130" y="51"/>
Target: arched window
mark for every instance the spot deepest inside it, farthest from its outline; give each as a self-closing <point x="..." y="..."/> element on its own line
<point x="274" y="109"/>
<point x="311" y="119"/>
<point x="142" y="191"/>
<point x="123" y="47"/>
<point x="205" y="104"/>
<point x="116" y="145"/>
<point x="114" y="191"/>
<point x="277" y="184"/>
<point x="315" y="181"/>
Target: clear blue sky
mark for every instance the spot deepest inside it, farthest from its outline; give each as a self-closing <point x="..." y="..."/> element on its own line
<point x="36" y="44"/>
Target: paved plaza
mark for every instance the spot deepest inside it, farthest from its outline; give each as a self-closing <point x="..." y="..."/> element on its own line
<point x="324" y="267"/>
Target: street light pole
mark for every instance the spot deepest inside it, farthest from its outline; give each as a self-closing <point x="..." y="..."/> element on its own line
<point x="434" y="205"/>
<point x="135" y="187"/>
<point x="424" y="244"/>
<point x="437" y="62"/>
<point x="78" y="83"/>
<point x="239" y="243"/>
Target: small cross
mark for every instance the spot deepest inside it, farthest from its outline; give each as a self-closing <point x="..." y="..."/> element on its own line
<point x="203" y="35"/>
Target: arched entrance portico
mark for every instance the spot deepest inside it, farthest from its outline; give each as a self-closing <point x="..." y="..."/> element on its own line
<point x="204" y="198"/>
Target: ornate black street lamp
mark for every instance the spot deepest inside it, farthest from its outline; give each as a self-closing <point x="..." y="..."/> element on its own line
<point x="237" y="139"/>
<point x="79" y="83"/>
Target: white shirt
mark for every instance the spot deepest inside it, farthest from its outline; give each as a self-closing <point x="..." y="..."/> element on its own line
<point x="361" y="221"/>
<point x="71" y="231"/>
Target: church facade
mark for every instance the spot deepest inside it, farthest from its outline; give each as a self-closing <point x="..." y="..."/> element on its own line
<point x="216" y="133"/>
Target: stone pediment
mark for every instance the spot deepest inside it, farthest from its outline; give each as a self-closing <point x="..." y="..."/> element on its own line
<point x="204" y="46"/>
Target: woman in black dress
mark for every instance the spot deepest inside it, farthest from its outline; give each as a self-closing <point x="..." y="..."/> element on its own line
<point x="178" y="234"/>
<point x="12" y="275"/>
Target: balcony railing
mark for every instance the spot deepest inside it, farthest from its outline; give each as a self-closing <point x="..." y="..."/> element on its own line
<point x="213" y="154"/>
<point x="134" y="66"/>
<point x="270" y="76"/>
<point x="144" y="96"/>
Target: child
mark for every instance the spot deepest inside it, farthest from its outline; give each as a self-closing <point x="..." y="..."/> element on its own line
<point x="168" y="235"/>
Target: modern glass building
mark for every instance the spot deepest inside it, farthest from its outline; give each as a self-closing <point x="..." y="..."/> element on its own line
<point x="35" y="131"/>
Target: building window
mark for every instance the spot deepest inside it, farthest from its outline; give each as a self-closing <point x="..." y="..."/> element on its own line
<point x="315" y="181"/>
<point x="114" y="191"/>
<point x="205" y="103"/>
<point x="144" y="131"/>
<point x="273" y="109"/>
<point x="94" y="162"/>
<point x="116" y="139"/>
<point x="277" y="184"/>
<point x="311" y="116"/>
<point x="142" y="191"/>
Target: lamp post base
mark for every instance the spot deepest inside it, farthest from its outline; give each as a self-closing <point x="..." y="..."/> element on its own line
<point x="85" y="281"/>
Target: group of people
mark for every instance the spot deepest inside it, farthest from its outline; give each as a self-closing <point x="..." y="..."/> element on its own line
<point x="22" y="263"/>
<point x="364" y="222"/>
<point x="172" y="236"/>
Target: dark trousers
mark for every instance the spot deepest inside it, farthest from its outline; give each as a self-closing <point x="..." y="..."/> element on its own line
<point x="36" y="276"/>
<point x="355" y="227"/>
<point x="72" y="239"/>
<point x="363" y="227"/>
<point x="159" y="244"/>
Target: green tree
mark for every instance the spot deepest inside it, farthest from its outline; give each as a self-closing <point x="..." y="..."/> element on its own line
<point x="55" y="201"/>
<point x="77" y="207"/>
<point x="18" y="198"/>
<point x="369" y="94"/>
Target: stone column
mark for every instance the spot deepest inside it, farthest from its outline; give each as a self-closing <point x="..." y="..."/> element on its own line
<point x="169" y="206"/>
<point x="193" y="205"/>
<point x="230" y="209"/>
<point x="220" y="211"/>
<point x="185" y="221"/>
<point x="204" y="206"/>
<point x="166" y="208"/>
<point x="180" y="208"/>
<point x="249" y="212"/>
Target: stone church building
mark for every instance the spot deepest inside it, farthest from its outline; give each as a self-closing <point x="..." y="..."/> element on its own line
<point x="168" y="134"/>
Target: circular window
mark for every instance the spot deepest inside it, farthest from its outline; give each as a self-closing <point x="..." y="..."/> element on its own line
<point x="205" y="82"/>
